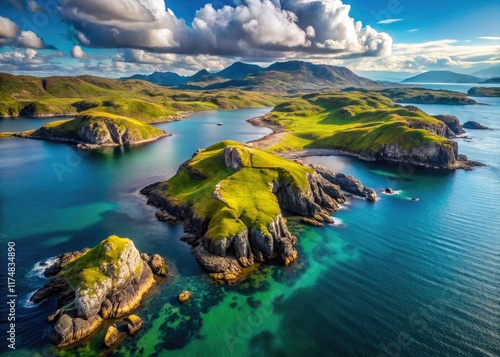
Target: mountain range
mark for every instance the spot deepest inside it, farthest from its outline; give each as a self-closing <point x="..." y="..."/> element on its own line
<point x="291" y="76"/>
<point x="484" y="76"/>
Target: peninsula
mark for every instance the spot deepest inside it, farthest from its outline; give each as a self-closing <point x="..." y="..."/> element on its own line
<point x="232" y="198"/>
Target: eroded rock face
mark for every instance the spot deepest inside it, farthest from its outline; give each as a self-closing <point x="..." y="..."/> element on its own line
<point x="452" y="122"/>
<point x="225" y="257"/>
<point x="431" y="155"/>
<point x="124" y="280"/>
<point x="346" y="183"/>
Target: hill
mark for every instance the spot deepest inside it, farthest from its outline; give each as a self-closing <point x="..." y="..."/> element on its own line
<point x="148" y="102"/>
<point x="96" y="129"/>
<point x="232" y="197"/>
<point x="442" y="77"/>
<point x="290" y="77"/>
<point x="366" y="125"/>
<point x="490" y="72"/>
<point x="239" y="70"/>
<point x="484" y="92"/>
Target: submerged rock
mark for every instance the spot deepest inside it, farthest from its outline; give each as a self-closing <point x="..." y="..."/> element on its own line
<point x="107" y="281"/>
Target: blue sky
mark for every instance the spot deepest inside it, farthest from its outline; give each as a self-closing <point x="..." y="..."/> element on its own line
<point x="120" y="37"/>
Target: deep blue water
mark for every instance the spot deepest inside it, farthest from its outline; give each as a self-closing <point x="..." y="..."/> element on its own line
<point x="394" y="277"/>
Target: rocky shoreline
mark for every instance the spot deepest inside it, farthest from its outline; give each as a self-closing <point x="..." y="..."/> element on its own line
<point x="434" y="159"/>
<point x="226" y="257"/>
<point x="106" y="282"/>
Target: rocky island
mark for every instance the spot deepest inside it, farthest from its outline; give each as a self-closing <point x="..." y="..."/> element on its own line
<point x="231" y="198"/>
<point x="484" y="92"/>
<point x="106" y="282"/>
<point x="96" y="129"/>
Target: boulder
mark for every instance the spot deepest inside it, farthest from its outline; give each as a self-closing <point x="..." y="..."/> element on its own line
<point x="158" y="265"/>
<point x="135" y="323"/>
<point x="111" y="336"/>
<point x="184" y="296"/>
<point x="389" y="191"/>
<point x="311" y="222"/>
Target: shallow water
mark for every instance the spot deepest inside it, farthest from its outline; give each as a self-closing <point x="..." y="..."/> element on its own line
<point x="396" y="277"/>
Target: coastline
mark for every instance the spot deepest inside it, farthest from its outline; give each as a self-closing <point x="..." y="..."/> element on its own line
<point x="84" y="145"/>
<point x="462" y="162"/>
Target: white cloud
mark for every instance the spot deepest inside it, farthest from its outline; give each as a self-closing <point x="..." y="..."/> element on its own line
<point x="77" y="52"/>
<point x="389" y="21"/>
<point x="11" y="35"/>
<point x="413" y="30"/>
<point x="434" y="55"/>
<point x="262" y="28"/>
<point x="29" y="39"/>
<point x="33" y="6"/>
<point x="491" y="38"/>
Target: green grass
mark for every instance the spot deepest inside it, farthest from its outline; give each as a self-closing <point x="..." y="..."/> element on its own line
<point x="151" y="103"/>
<point x="484" y="91"/>
<point x="97" y="120"/>
<point x="85" y="271"/>
<point x="246" y="193"/>
<point x="359" y="122"/>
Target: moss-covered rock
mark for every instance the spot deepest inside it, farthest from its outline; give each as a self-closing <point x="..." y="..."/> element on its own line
<point x="107" y="281"/>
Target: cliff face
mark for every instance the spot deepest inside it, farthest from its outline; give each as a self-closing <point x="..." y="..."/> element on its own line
<point x="452" y="122"/>
<point x="430" y="155"/>
<point x="236" y="233"/>
<point x="108" y="281"/>
<point x="92" y="131"/>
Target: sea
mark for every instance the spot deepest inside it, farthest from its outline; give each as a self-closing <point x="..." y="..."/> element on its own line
<point x="396" y="277"/>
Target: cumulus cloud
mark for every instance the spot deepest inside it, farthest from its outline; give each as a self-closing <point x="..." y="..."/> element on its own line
<point x="77" y="52"/>
<point x="433" y="55"/>
<point x="11" y="34"/>
<point x="254" y="27"/>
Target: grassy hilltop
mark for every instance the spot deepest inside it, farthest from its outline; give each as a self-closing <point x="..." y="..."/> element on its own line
<point x="243" y="199"/>
<point x="365" y="123"/>
<point x="151" y="103"/>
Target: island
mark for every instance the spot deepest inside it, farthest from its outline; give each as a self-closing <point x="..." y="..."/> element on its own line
<point x="484" y="92"/>
<point x="92" y="129"/>
<point x="232" y="196"/>
<point x="106" y="282"/>
<point x="367" y="125"/>
<point x="427" y="96"/>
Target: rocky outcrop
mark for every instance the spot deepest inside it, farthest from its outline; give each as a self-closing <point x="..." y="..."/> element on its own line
<point x="474" y="125"/>
<point x="134" y="324"/>
<point x="452" y="122"/>
<point x="90" y="131"/>
<point x="226" y="257"/>
<point x="184" y="296"/>
<point x="346" y="183"/>
<point x="111" y="336"/>
<point x="108" y="281"/>
<point x="439" y="128"/>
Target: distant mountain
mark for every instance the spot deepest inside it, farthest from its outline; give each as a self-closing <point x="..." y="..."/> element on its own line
<point x="162" y="78"/>
<point x="488" y="72"/>
<point x="442" y="77"/>
<point x="239" y="70"/>
<point x="292" y="76"/>
<point x="491" y="80"/>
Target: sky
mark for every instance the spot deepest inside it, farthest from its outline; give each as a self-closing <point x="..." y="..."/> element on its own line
<point x="381" y="39"/>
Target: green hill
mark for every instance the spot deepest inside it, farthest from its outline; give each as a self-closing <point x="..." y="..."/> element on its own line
<point x="58" y="96"/>
<point x="96" y="129"/>
<point x="442" y="77"/>
<point x="369" y="125"/>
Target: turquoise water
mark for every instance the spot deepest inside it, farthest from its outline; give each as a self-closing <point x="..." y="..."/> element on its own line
<point x="394" y="277"/>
